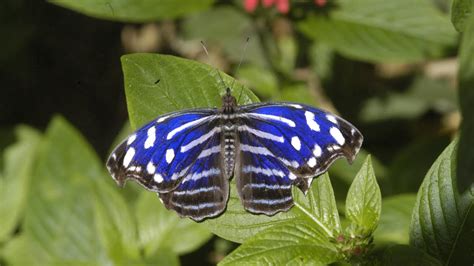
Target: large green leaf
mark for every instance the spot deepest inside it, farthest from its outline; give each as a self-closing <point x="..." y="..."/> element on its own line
<point x="60" y="212"/>
<point x="395" y="219"/>
<point x="236" y="224"/>
<point x="134" y="10"/>
<point x="465" y="168"/>
<point x="461" y="10"/>
<point x="160" y="228"/>
<point x="21" y="250"/>
<point x="384" y="31"/>
<point x="18" y="161"/>
<point x="403" y="255"/>
<point x="442" y="221"/>
<point x="115" y="224"/>
<point x="298" y="242"/>
<point x="318" y="208"/>
<point x="182" y="84"/>
<point x="364" y="200"/>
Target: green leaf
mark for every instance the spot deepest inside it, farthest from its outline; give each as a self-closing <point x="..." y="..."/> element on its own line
<point x="18" y="163"/>
<point x="182" y="84"/>
<point x="317" y="208"/>
<point x="395" y="219"/>
<point x="465" y="167"/>
<point x="287" y="51"/>
<point x="404" y="255"/>
<point x="60" y="212"/>
<point x="406" y="174"/>
<point x="236" y="224"/>
<point x="346" y="171"/>
<point x="440" y="215"/>
<point x="299" y="242"/>
<point x="162" y="257"/>
<point x="134" y="10"/>
<point x="21" y="250"/>
<point x="213" y="26"/>
<point x="461" y="10"/>
<point x="320" y="204"/>
<point x="115" y="225"/>
<point x="298" y="93"/>
<point x="383" y="31"/>
<point x="423" y="95"/>
<point x="159" y="228"/>
<point x="322" y="59"/>
<point x="364" y="201"/>
<point x="260" y="80"/>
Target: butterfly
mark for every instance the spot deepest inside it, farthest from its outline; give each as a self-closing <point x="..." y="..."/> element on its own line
<point x="188" y="157"/>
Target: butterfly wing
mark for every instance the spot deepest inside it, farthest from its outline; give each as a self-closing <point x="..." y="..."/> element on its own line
<point x="162" y="152"/>
<point x="204" y="191"/>
<point x="263" y="181"/>
<point x="296" y="141"/>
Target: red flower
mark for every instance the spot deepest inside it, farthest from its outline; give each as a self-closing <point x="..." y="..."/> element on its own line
<point x="250" y="5"/>
<point x="283" y="6"/>
<point x="320" y="3"/>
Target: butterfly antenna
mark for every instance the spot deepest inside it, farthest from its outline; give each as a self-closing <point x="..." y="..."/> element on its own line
<point x="240" y="63"/>
<point x="209" y="59"/>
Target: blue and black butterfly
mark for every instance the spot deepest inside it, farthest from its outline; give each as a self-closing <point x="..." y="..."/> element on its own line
<point x="188" y="157"/>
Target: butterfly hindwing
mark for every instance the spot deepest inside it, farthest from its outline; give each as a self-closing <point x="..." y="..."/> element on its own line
<point x="160" y="153"/>
<point x="263" y="181"/>
<point x="204" y="190"/>
<point x="305" y="139"/>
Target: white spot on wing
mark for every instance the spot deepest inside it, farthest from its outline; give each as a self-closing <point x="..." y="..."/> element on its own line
<point x="169" y="155"/>
<point x="150" y="141"/>
<point x="312" y="162"/>
<point x="310" y="121"/>
<point x="296" y="143"/>
<point x="128" y="157"/>
<point x="131" y="139"/>
<point x="317" y="150"/>
<point x="292" y="176"/>
<point x="158" y="178"/>
<point x="337" y="135"/>
<point x="332" y="118"/>
<point x="150" y="168"/>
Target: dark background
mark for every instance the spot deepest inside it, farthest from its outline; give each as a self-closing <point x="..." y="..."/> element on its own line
<point x="55" y="61"/>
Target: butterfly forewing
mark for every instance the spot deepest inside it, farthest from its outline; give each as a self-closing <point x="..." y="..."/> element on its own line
<point x="305" y="139"/>
<point x="160" y="154"/>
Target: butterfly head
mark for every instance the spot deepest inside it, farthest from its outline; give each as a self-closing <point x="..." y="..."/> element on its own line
<point x="228" y="102"/>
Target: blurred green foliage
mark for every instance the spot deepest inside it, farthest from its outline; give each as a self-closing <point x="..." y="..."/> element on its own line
<point x="390" y="67"/>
